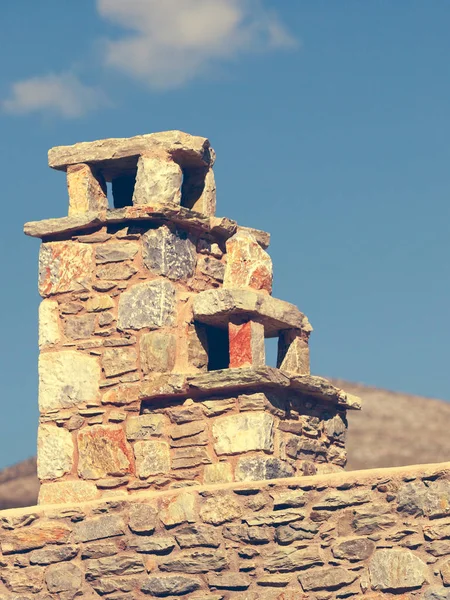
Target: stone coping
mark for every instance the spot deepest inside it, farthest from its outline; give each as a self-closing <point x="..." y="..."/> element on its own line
<point x="341" y="480"/>
<point x="190" y="220"/>
<point x="217" y="307"/>
<point x="185" y="149"/>
<point x="235" y="380"/>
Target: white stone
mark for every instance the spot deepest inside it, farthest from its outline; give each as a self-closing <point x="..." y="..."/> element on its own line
<point x="55" y="452"/>
<point x="49" y="333"/>
<point x="243" y="432"/>
<point x="158" y="179"/>
<point x="67" y="378"/>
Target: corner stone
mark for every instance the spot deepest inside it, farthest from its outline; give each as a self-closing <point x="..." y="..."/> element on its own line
<point x="66" y="379"/>
<point x="103" y="451"/>
<point x="55" y="452"/>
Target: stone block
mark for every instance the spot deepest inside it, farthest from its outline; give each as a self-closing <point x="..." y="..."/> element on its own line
<point x="167" y="253"/>
<point x="152" y="458"/>
<point x="293" y="352"/>
<point x="34" y="536"/>
<point x="117" y="361"/>
<point x="87" y="192"/>
<point x="103" y="451"/>
<point x="98" y="528"/>
<point x="248" y="265"/>
<point x="67" y="378"/>
<point x="186" y="458"/>
<point x="220" y="509"/>
<point x="243" y="432"/>
<point x="122" y="395"/>
<point x="259" y="468"/>
<point x="197" y="347"/>
<point x="64" y="267"/>
<point x="220" y="472"/>
<point x="116" y="271"/>
<point x="79" y="327"/>
<point x="158" y="352"/>
<point x="288" y="559"/>
<point x="55" y="452"/>
<point x="181" y="509"/>
<point x="23" y="581"/>
<point x="150" y="304"/>
<point x="71" y="492"/>
<point x="246" y="342"/>
<point x="170" y="585"/>
<point x="397" y="570"/>
<point x="115" y="252"/>
<point x="190" y="150"/>
<point x="49" y="332"/>
<point x="142" y="518"/>
<point x="144" y="427"/>
<point x="212" y="267"/>
<point x="217" y="307"/>
<point x="199" y="191"/>
<point x="99" y="303"/>
<point x="158" y="179"/>
<point x="197" y="561"/>
<point x="193" y="536"/>
<point x="326" y="579"/>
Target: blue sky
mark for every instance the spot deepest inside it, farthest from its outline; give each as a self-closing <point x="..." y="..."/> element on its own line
<point x="331" y="125"/>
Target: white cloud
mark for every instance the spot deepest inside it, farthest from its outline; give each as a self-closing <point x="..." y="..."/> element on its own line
<point x="63" y="93"/>
<point x="172" y="41"/>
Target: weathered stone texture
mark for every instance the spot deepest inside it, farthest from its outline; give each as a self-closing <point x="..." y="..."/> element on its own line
<point x="248" y="265"/>
<point x="322" y="537"/>
<point x="158" y="180"/>
<point x="243" y="432"/>
<point x="55" y="452"/>
<point x="87" y="192"/>
<point x="67" y="378"/>
<point x="103" y="451"/>
<point x="64" y="267"/>
<point x="167" y="253"/>
<point x="150" y="304"/>
<point x="49" y="332"/>
<point x="157" y="352"/>
<point x="152" y="457"/>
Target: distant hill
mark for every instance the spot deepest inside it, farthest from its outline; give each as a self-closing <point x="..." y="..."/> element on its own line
<point x="393" y="429"/>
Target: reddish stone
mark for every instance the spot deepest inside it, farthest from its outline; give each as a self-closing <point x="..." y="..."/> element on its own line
<point x="35" y="536"/>
<point x="64" y="267"/>
<point x="246" y="344"/>
<point x="103" y="452"/>
<point x="248" y="265"/>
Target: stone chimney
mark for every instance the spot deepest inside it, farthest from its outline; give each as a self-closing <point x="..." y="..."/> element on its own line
<point x="152" y="369"/>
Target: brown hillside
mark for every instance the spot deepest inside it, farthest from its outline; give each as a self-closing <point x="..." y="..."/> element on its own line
<point x="393" y="429"/>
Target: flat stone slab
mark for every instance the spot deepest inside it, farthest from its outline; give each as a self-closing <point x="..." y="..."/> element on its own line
<point x="216" y="307"/>
<point x="185" y="149"/>
<point x="315" y="386"/>
<point x="187" y="219"/>
<point x="232" y="381"/>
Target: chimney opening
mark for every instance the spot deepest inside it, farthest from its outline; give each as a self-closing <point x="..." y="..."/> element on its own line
<point x="218" y="348"/>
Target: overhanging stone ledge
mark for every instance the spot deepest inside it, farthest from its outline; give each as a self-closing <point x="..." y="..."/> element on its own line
<point x="185" y="218"/>
<point x="217" y="307"/>
<point x="237" y="380"/>
<point x="188" y="150"/>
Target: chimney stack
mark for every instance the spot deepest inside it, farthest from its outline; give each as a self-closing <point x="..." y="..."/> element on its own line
<point x="152" y="330"/>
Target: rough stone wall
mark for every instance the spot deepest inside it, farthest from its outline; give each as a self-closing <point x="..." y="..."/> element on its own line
<point x="116" y="327"/>
<point x="367" y="534"/>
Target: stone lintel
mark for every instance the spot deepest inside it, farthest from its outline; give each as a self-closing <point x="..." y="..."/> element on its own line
<point x="237" y="380"/>
<point x="185" y="149"/>
<point x="217" y="307"/>
<point x="48" y="228"/>
<point x="185" y="218"/>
